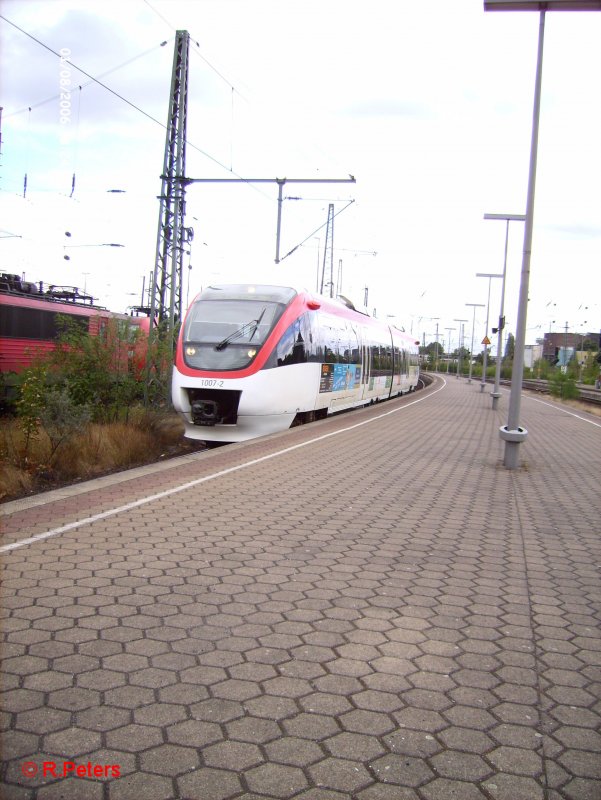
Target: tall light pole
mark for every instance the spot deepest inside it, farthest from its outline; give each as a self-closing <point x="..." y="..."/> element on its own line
<point x="495" y="394"/>
<point x="512" y="434"/>
<point x="461" y="334"/>
<point x="448" y="330"/>
<point x="474" y="306"/>
<point x="436" y="347"/>
<point x="486" y="342"/>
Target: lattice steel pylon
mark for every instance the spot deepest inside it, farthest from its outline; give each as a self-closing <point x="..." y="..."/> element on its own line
<point x="328" y="253"/>
<point x="172" y="235"/>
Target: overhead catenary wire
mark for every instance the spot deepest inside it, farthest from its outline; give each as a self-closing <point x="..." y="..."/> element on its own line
<point x="121" y="97"/>
<point x="159" y="15"/>
<point x="300" y="244"/>
<point x="85" y="84"/>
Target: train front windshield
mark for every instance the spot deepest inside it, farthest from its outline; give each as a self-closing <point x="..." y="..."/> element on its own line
<point x="224" y="329"/>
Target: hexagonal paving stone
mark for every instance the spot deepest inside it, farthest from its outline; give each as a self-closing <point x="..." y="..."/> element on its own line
<point x="253" y="729"/>
<point x="153" y="678"/>
<point x="372" y="700"/>
<point x="402" y="770"/>
<point x="235" y="756"/>
<point x="101" y="679"/>
<point x="269" y="707"/>
<point x="102" y="718"/>
<point x="25" y="665"/>
<point x="75" y="664"/>
<point x="133" y="738"/>
<point x="208" y="784"/>
<point x="311" y="726"/>
<point x="72" y="789"/>
<point x="517" y="760"/>
<point x="369" y="722"/>
<point x="323" y="703"/>
<point x="217" y="710"/>
<point x="71" y="742"/>
<point x="412" y="743"/>
<point x="73" y="699"/>
<point x="233" y="689"/>
<point x="444" y="789"/>
<point x="340" y="775"/>
<point x="46" y="682"/>
<point x="466" y="740"/>
<point x="287" y="687"/>
<point x="276" y="780"/>
<point x="16" y="744"/>
<point x="170" y="759"/>
<point x="43" y="720"/>
<point x="17" y="700"/>
<point x="511" y="787"/>
<point x="353" y="746"/>
<point x="460" y="766"/>
<point x="160" y="714"/>
<point x="129" y="696"/>
<point x="293" y="751"/>
<point x="194" y="733"/>
<point x="141" y="785"/>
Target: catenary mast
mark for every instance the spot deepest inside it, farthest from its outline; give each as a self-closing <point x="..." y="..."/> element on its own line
<point x="172" y="235"/>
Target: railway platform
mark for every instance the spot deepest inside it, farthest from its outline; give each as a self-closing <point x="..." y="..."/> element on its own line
<point x="367" y="607"/>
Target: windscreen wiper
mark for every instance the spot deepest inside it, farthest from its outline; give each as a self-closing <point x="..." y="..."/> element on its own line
<point x="241" y="331"/>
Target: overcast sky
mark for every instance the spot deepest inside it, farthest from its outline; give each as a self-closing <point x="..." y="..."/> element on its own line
<point x="427" y="104"/>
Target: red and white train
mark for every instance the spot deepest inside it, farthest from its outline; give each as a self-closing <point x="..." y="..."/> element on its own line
<point x="252" y="360"/>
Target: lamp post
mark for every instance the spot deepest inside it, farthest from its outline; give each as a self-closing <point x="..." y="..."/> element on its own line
<point x="512" y="434"/>
<point x="435" y="319"/>
<point x="474" y="306"/>
<point x="495" y="394"/>
<point x="461" y="334"/>
<point x="486" y="342"/>
<point x="448" y="330"/>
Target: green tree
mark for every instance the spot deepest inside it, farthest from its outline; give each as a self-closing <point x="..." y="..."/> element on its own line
<point x="432" y="352"/>
<point x="590" y="368"/>
<point x="541" y="369"/>
<point x="30" y="404"/>
<point x="510" y="347"/>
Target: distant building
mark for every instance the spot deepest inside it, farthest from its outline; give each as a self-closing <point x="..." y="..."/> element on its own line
<point x="532" y="354"/>
<point x="562" y="346"/>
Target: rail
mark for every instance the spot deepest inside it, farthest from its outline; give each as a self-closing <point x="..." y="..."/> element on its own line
<point x="586" y="393"/>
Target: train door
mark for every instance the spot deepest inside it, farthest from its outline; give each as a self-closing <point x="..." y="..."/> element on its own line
<point x="365" y="365"/>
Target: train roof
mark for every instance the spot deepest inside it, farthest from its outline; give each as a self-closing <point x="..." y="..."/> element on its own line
<point x="285" y="294"/>
<point x="16" y="287"/>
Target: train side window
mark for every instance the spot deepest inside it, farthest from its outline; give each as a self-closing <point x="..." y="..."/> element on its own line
<point x="352" y="352"/>
<point x="375" y="359"/>
<point x="291" y="349"/>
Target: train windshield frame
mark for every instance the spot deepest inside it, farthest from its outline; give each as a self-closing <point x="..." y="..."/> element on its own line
<point x="225" y="329"/>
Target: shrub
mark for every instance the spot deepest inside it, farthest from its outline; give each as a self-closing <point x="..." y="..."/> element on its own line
<point x="563" y="386"/>
<point x="61" y="417"/>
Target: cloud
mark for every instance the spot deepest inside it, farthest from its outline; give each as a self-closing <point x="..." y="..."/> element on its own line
<point x="389" y="107"/>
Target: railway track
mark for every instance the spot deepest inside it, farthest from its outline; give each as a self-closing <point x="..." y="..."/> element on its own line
<point x="586" y="393"/>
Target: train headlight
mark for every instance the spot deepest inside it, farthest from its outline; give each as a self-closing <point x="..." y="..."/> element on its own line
<point x="190" y="351"/>
<point x="251" y="353"/>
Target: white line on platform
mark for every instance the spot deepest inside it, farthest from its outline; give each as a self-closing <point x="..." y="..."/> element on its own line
<point x="160" y="495"/>
<point x="571" y="413"/>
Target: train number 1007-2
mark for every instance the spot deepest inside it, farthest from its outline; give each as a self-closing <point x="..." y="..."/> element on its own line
<point x="212" y="383"/>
